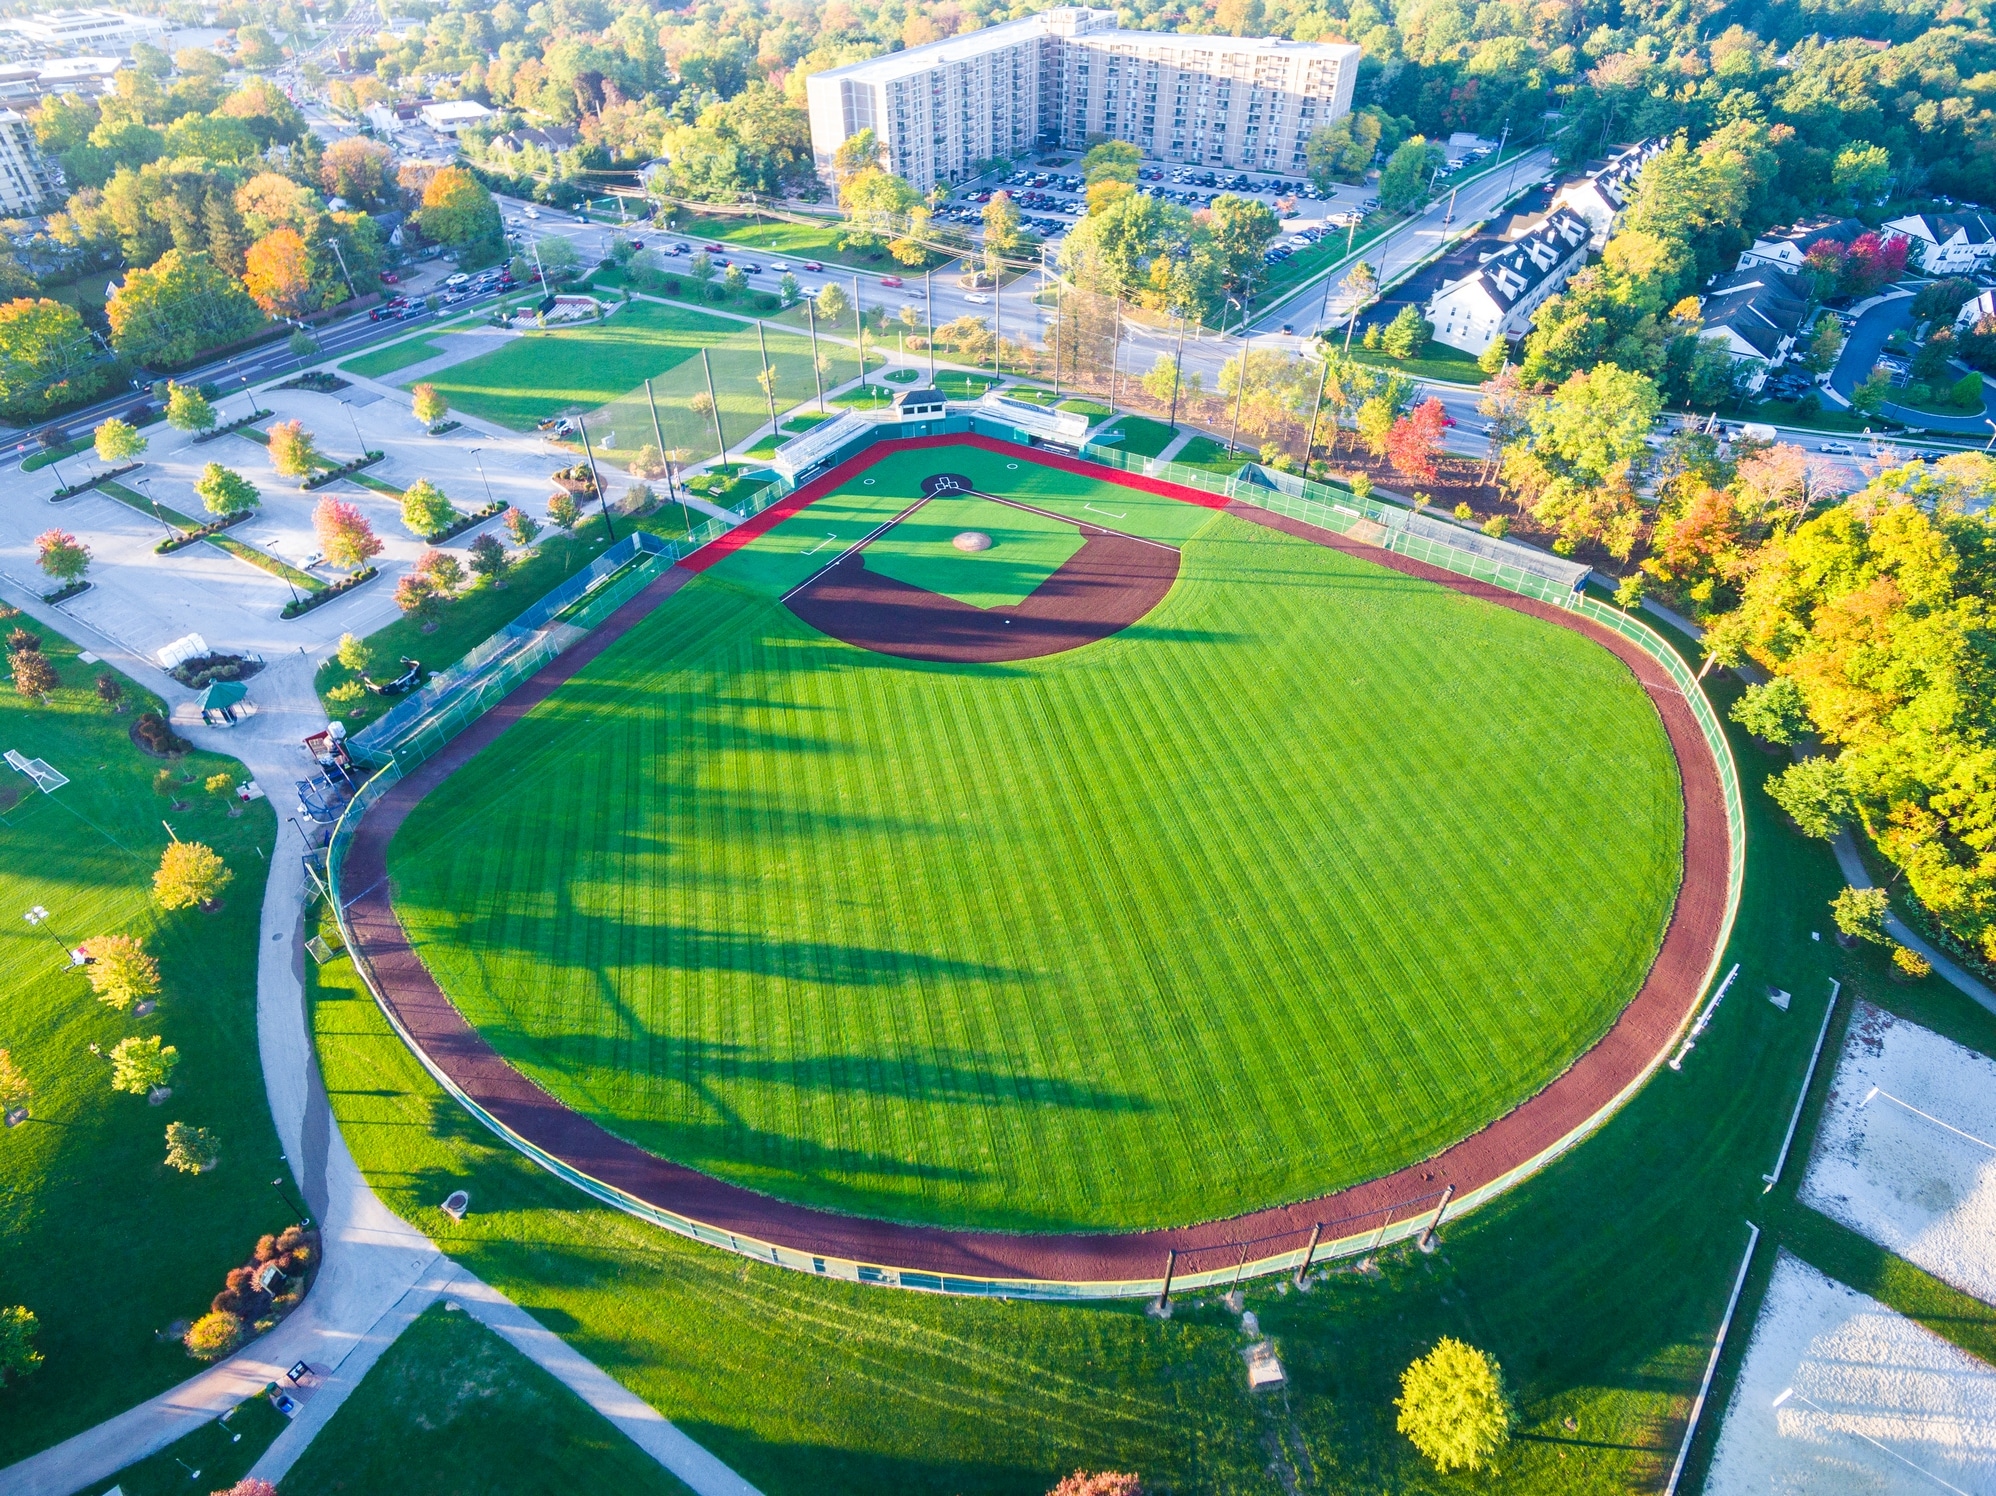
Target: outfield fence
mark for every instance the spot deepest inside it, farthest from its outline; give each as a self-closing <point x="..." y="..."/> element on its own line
<point x="420" y="726"/>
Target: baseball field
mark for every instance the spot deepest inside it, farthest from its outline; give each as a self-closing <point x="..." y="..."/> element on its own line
<point x="1149" y="866"/>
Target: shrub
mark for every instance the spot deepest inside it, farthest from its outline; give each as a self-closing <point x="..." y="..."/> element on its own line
<point x="347" y="694"/>
<point x="110" y="690"/>
<point x="20" y="641"/>
<point x="1099" y="1483"/>
<point x="1911" y="962"/>
<point x="188" y="874"/>
<point x="34" y="676"/>
<point x="1463" y="511"/>
<point x="152" y="731"/>
<point x="1453" y="1406"/>
<point x="138" y="1065"/>
<point x="192" y="1150"/>
<point x="18" y="1355"/>
<point x="214" y="1335"/>
<point x="120" y="971"/>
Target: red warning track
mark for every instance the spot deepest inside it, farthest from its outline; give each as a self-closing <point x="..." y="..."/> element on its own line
<point x="1647" y="1027"/>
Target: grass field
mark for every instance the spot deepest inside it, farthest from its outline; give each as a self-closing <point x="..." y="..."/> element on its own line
<point x="1212" y="456"/>
<point x="540" y="373"/>
<point x="909" y="930"/>
<point x="1440" y="362"/>
<point x="1142" y="437"/>
<point x="395" y="356"/>
<point x="102" y="1241"/>
<point x="1598" y="1285"/>
<point x="222" y="1451"/>
<point x="465" y="1413"/>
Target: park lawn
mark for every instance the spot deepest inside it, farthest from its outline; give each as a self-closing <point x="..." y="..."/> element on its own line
<point x="98" y="1237"/>
<point x="868" y="396"/>
<point x="391" y="358"/>
<point x="1142" y="437"/>
<point x="1598" y="1284"/>
<point x="754" y="1030"/>
<point x="1210" y="456"/>
<point x="799" y="242"/>
<point x="222" y="1451"/>
<point x="956" y="384"/>
<point x="1440" y="363"/>
<point x="451" y="1407"/>
<point x="539" y="373"/>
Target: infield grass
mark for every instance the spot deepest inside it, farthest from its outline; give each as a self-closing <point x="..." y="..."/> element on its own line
<point x="1037" y="945"/>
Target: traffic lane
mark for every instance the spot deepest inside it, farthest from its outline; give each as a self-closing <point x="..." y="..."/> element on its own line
<point x="1865" y="341"/>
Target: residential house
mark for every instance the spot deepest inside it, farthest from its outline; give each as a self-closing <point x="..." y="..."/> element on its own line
<point x="1949" y="243"/>
<point x="1756" y="314"/>
<point x="554" y="140"/>
<point x="1786" y="248"/>
<point x="1976" y="310"/>
<point x="1604" y="191"/>
<point x="1497" y="299"/>
<point x="452" y="115"/>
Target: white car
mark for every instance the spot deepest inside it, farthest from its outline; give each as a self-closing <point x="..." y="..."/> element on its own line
<point x="779" y="267"/>
<point x="977" y="298"/>
<point x="531" y="212"/>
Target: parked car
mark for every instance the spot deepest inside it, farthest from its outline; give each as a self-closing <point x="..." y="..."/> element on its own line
<point x="391" y="278"/>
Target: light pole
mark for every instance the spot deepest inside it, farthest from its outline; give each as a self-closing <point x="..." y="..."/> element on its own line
<point x="39" y="918"/>
<point x="354" y="422"/>
<point x="818" y="369"/>
<point x="480" y="462"/>
<point x="146" y="484"/>
<point x="1177" y="365"/>
<point x="1240" y="388"/>
<point x="304" y="1217"/>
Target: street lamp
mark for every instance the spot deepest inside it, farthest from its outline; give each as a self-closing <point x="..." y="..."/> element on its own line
<point x="39" y="917"/>
<point x="481" y="474"/>
<point x="146" y="484"/>
<point x="304" y="1217"/>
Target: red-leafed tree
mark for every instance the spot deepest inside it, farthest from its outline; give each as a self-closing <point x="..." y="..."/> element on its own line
<point x="1872" y="263"/>
<point x="344" y="534"/>
<point x="1414" y="440"/>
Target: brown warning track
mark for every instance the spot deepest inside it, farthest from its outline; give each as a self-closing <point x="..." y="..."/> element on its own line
<point x="1103" y="588"/>
<point x="1646" y="1027"/>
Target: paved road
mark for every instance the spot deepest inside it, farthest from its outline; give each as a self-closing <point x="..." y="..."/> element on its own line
<point x="1861" y="351"/>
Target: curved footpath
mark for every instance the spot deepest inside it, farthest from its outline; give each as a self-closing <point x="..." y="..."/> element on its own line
<point x="378" y="1272"/>
<point x="1639" y="1039"/>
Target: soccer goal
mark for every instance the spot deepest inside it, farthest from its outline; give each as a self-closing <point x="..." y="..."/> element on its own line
<point x="45" y="778"/>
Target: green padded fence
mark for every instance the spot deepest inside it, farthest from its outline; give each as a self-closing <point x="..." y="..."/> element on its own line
<point x="568" y="614"/>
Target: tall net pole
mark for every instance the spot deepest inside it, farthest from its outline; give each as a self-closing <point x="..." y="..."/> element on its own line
<point x="817" y="368"/>
<point x="929" y="316"/>
<point x="714" y="406"/>
<point x="768" y="380"/>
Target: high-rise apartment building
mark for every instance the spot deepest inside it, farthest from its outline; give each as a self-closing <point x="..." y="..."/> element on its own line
<point x="27" y="184"/>
<point x="1057" y="79"/>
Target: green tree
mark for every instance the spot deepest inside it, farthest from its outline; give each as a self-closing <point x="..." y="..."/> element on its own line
<point x="47" y="357"/>
<point x="833" y="304"/>
<point x="1774" y="712"/>
<point x="141" y="1065"/>
<point x="62" y="556"/>
<point x="118" y="441"/>
<point x="170" y="312"/>
<point x="189" y="873"/>
<point x="1111" y="161"/>
<point x="735" y="279"/>
<point x="458" y="211"/>
<point x="875" y="204"/>
<point x="1407" y="335"/>
<point x="1577" y="466"/>
<point x="429" y="403"/>
<point x="1241" y="229"/>
<point x="1862" y="172"/>
<point x="1343" y="150"/>
<point x="353" y="654"/>
<point x="1453" y="1406"/>
<point x="18" y="1355"/>
<point x="293" y="450"/>
<point x="187" y="409"/>
<point x="226" y="491"/>
<point x="120" y="971"/>
<point x="1403" y="181"/>
<point x="191" y="1150"/>
<point x="1826" y="341"/>
<point x="1860" y="913"/>
<point x="425" y="509"/>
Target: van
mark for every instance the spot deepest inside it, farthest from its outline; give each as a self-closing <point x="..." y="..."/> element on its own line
<point x="1754" y="431"/>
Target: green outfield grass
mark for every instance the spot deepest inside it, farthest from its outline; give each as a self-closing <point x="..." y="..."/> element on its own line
<point x="1031" y="945"/>
<point x="532" y="376"/>
<point x="453" y="1408"/>
<point x="1026" y="549"/>
<point x="103" y="1242"/>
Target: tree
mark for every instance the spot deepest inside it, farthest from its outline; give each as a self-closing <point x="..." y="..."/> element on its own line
<point x="120" y="971"/>
<point x="489" y="559"/>
<point x="117" y="441"/>
<point x="1871" y="393"/>
<point x="141" y="1065"/>
<point x="1576" y="468"/>
<point x="1453" y="1406"/>
<point x="293" y="451"/>
<point x="187" y="409"/>
<point x="1240" y="229"/>
<point x="344" y="534"/>
<point x="47" y="357"/>
<point x="1004" y="230"/>
<point x="357" y="169"/>
<point x="1407" y="335"/>
<point x="1871" y="263"/>
<point x="1942" y="300"/>
<point x="1861" y="912"/>
<point x="221" y="786"/>
<point x="458" y="211"/>
<point x="425" y="509"/>
<point x="191" y="1150"/>
<point x="168" y="313"/>
<point x="416" y="595"/>
<point x="564" y="511"/>
<point x="522" y="526"/>
<point x="1861" y="172"/>
<point x="277" y="273"/>
<point x="1414" y="440"/>
<point x="62" y="556"/>
<point x="15" y="1092"/>
<point x="18" y="1355"/>
<point x="1374" y="424"/>
<point x="1815" y="792"/>
<point x="1826" y="341"/>
<point x="1774" y="712"/>
<point x="1342" y="151"/>
<point x="701" y="267"/>
<point x="787" y="288"/>
<point x="353" y="654"/>
<point x="1112" y="161"/>
<point x="832" y="302"/>
<point x="429" y="403"/>
<point x="1162" y="383"/>
<point x="34" y="676"/>
<point x="875" y="203"/>
<point x="559" y="260"/>
<point x="226" y="491"/>
<point x="735" y="279"/>
<point x="189" y="873"/>
<point x="110" y="691"/>
<point x="1403" y="181"/>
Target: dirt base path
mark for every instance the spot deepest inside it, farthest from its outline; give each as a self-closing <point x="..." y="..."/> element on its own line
<point x="1640" y="1037"/>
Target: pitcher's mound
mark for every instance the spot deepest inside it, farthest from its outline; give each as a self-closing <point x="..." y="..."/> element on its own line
<point x="972" y="540"/>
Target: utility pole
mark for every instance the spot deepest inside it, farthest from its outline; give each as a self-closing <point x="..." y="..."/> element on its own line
<point x="817" y="369"/>
<point x="998" y="319"/>
<point x="859" y="329"/>
<point x="707" y="367"/>
<point x="1115" y="347"/>
<point x="1056" y="337"/>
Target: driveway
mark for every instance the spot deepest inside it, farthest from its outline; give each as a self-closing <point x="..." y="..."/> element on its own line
<point x="1861" y="350"/>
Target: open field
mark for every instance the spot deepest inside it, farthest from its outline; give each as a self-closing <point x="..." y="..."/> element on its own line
<point x="539" y="373"/>
<point x="1904" y="1153"/>
<point x="886" y="966"/>
<point x="1875" y="1402"/>
<point x="383" y="361"/>
<point x="103" y="1242"/>
<point x="800" y="241"/>
<point x="452" y="1408"/>
<point x="222" y="1451"/>
<point x="1439" y="362"/>
<point x="1144" y="438"/>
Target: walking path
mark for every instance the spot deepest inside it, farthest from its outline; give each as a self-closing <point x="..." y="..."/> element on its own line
<point x="377" y="1271"/>
<point x="1176" y="445"/>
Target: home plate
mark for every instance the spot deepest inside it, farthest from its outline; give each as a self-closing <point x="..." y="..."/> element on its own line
<point x="1263" y="1370"/>
<point x="1906" y="1151"/>
<point x="1840" y="1394"/>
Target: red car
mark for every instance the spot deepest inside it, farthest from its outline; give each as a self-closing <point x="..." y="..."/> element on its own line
<point x="391" y="277"/>
<point x="813" y="265"/>
<point x="892" y="282"/>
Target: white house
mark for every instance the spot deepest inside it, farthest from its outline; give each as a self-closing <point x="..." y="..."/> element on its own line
<point x="452" y="115"/>
<point x="1949" y="243"/>
<point x="1497" y="299"/>
<point x="1756" y="314"/>
<point x="1600" y="196"/>
<point x="1786" y="248"/>
<point x="1976" y="310"/>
